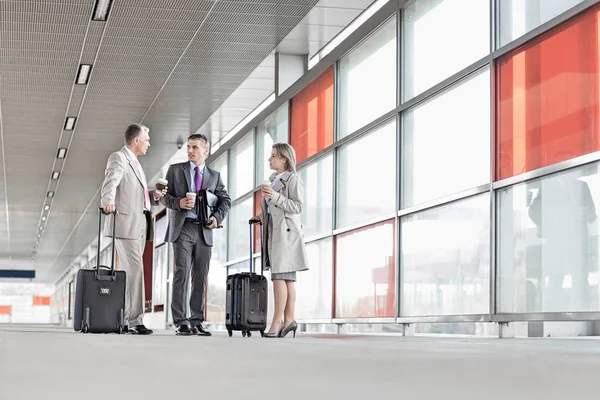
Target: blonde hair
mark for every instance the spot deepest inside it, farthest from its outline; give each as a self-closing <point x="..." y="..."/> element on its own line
<point x="288" y="153"/>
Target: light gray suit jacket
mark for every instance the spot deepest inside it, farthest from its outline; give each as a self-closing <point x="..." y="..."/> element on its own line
<point x="124" y="187"/>
<point x="288" y="252"/>
<point x="179" y="179"/>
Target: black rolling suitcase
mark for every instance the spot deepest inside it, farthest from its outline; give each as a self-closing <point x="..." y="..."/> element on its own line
<point x="100" y="294"/>
<point x="246" y="300"/>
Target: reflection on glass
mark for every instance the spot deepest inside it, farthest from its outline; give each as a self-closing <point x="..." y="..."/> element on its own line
<point x="160" y="275"/>
<point x="447" y="142"/>
<point x="273" y="130"/>
<point x="239" y="236"/>
<point x="241" y="160"/>
<point x="517" y="17"/>
<point x="317" y="212"/>
<point x="548" y="251"/>
<point x="367" y="186"/>
<point x="365" y="272"/>
<point x="314" y="287"/>
<point x="160" y="230"/>
<point x="446" y="259"/>
<point x="368" y="80"/>
<point x="441" y="37"/>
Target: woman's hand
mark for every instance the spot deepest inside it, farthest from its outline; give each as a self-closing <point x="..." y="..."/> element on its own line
<point x="267" y="192"/>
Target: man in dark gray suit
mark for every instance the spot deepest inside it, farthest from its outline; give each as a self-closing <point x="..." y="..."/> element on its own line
<point x="192" y="243"/>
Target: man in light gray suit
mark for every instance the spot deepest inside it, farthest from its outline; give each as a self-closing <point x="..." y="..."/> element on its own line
<point x="125" y="190"/>
<point x="192" y="243"/>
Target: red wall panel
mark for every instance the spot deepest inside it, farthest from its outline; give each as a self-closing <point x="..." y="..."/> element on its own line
<point x="312" y="117"/>
<point x="548" y="98"/>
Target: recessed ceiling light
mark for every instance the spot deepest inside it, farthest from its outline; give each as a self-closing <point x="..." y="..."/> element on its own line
<point x="55" y="175"/>
<point x="83" y="74"/>
<point x="41" y="228"/>
<point x="39" y="235"/>
<point x="46" y="207"/>
<point x="101" y="10"/>
<point x="62" y="152"/>
<point x="44" y="218"/>
<point x="70" y="123"/>
<point x="50" y="194"/>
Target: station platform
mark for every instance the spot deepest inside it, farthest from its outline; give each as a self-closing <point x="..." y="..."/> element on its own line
<point x="38" y="362"/>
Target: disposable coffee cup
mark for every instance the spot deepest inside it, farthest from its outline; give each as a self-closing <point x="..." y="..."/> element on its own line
<point x="191" y="195"/>
<point x="161" y="184"/>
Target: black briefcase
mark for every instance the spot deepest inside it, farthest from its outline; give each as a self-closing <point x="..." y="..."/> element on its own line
<point x="100" y="294"/>
<point x="206" y="202"/>
<point x="246" y="300"/>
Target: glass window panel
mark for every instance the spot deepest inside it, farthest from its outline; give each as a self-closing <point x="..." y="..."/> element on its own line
<point x="220" y="165"/>
<point x="241" y="160"/>
<point x="365" y="272"/>
<point x="367" y="176"/>
<point x="549" y="98"/>
<point x="160" y="230"/>
<point x="441" y="37"/>
<point x="160" y="275"/>
<point x="217" y="290"/>
<point x="312" y="117"/>
<point x="273" y="130"/>
<point x="548" y="243"/>
<point x="446" y="259"/>
<point x="446" y="145"/>
<point x="517" y="17"/>
<point x="239" y="235"/>
<point x="368" y="80"/>
<point x="317" y="212"/>
<point x="314" y="287"/>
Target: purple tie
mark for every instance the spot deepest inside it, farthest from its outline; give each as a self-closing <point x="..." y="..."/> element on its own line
<point x="198" y="179"/>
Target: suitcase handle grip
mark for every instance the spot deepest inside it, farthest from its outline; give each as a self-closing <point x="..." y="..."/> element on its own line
<point x="112" y="265"/>
<point x="251" y="260"/>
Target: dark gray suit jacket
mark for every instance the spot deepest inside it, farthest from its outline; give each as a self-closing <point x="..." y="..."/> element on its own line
<point x="179" y="184"/>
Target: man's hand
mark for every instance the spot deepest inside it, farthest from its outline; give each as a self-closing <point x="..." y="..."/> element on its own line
<point x="213" y="225"/>
<point x="110" y="208"/>
<point x="186" y="203"/>
<point x="158" y="194"/>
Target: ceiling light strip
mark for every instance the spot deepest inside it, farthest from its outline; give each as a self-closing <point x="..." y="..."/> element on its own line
<point x="58" y="148"/>
<point x="5" y="186"/>
<point x="101" y="10"/>
<point x="71" y="141"/>
<point x="179" y="60"/>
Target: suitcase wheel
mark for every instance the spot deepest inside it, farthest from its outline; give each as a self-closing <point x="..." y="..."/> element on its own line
<point x="262" y="333"/>
<point x="249" y="334"/>
<point x="120" y="331"/>
<point x="244" y="333"/>
<point x="85" y="329"/>
<point x="230" y="333"/>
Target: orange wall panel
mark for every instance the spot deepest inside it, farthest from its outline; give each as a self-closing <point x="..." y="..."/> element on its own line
<point x="548" y="98"/>
<point x="5" y="310"/>
<point x="41" y="301"/>
<point x="312" y="117"/>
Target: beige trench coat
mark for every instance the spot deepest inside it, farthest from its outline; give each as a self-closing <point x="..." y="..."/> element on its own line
<point x="288" y="248"/>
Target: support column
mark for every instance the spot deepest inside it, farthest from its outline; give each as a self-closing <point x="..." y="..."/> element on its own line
<point x="288" y="69"/>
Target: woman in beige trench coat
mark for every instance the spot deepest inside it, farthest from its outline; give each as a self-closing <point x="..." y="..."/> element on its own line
<point x="283" y="249"/>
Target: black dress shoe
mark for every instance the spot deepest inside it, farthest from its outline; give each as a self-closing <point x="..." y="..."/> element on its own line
<point x="140" y="330"/>
<point x="199" y="330"/>
<point x="183" y="330"/>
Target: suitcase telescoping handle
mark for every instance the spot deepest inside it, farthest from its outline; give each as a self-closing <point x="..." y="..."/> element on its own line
<point x="252" y="222"/>
<point x="112" y="265"/>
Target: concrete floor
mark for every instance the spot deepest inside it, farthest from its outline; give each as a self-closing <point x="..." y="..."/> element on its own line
<point x="53" y="363"/>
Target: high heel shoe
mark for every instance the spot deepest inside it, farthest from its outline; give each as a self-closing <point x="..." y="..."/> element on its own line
<point x="275" y="334"/>
<point x="290" y="328"/>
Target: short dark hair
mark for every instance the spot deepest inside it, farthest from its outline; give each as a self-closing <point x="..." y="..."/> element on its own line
<point x="133" y="131"/>
<point x="201" y="137"/>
